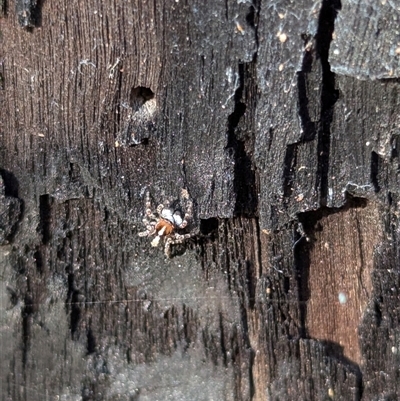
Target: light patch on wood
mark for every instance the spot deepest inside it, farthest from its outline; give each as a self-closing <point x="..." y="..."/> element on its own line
<point x="339" y="282"/>
<point x="259" y="368"/>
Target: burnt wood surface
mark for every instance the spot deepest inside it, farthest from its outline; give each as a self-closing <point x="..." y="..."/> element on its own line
<point x="281" y="120"/>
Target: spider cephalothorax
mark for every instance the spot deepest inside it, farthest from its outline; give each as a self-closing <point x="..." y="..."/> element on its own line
<point x="167" y="222"/>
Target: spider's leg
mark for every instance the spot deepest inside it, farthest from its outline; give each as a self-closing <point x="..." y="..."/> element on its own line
<point x="149" y="224"/>
<point x="160" y="208"/>
<point x="174" y="240"/>
<point x="149" y="220"/>
<point x="180" y="238"/>
<point x="167" y="247"/>
<point x="184" y="194"/>
<point x="146" y="221"/>
<point x="188" y="213"/>
<point x="147" y="202"/>
<point x="151" y="230"/>
<point x="148" y="212"/>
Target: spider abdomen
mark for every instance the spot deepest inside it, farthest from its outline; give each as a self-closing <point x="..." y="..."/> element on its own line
<point x="166" y="226"/>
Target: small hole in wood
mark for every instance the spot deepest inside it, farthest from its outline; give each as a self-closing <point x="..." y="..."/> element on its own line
<point x="208" y="226"/>
<point x="139" y="96"/>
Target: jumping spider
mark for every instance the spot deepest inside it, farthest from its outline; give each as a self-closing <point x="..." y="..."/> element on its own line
<point x="166" y="223"/>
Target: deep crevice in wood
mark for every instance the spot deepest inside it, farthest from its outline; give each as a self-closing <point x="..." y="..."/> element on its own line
<point x="29" y="13"/>
<point x="73" y="305"/>
<point x="39" y="262"/>
<point x="376" y="163"/>
<point x="289" y="173"/>
<point x="208" y="226"/>
<point x="11" y="185"/>
<point x="307" y="125"/>
<point x="27" y="313"/>
<point x="12" y="208"/>
<point x="91" y="342"/>
<point x="45" y="212"/>
<point x="244" y="170"/>
<point x="329" y="94"/>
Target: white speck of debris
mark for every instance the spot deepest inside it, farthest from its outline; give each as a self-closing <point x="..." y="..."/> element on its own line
<point x="282" y="37"/>
<point x="85" y="62"/>
<point x="331" y="392"/>
<point x="281" y="67"/>
<point x="395" y="350"/>
<point x="239" y="27"/>
<point x="146" y="305"/>
<point x="231" y="77"/>
<point x="330" y="193"/>
<point x="342" y="298"/>
<point x="368" y="143"/>
<point x="229" y="74"/>
<point x="113" y="67"/>
<point x="336" y="52"/>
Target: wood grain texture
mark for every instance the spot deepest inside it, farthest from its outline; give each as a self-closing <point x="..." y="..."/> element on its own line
<point x="339" y="283"/>
<point x="288" y="288"/>
<point x="360" y="26"/>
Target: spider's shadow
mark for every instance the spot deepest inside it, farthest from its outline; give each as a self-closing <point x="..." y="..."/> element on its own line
<point x="178" y="250"/>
